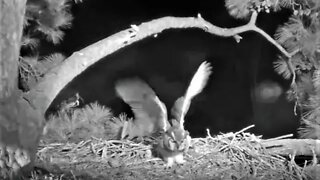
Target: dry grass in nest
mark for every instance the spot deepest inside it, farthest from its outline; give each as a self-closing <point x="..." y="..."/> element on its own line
<point x="81" y="145"/>
<point x="237" y="155"/>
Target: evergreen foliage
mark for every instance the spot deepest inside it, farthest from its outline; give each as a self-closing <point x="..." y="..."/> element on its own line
<point x="83" y="133"/>
<point x="44" y="20"/>
<point x="93" y="120"/>
<point x="300" y="36"/>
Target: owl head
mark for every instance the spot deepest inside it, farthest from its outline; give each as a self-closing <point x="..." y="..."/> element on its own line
<point x="176" y="139"/>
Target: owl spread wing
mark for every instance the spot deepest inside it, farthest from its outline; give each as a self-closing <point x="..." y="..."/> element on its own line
<point x="197" y="83"/>
<point x="176" y="110"/>
<point x="148" y="110"/>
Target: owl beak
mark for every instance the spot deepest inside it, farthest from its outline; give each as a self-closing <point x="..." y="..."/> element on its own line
<point x="179" y="146"/>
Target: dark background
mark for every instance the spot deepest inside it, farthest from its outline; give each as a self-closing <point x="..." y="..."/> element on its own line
<point x="168" y="62"/>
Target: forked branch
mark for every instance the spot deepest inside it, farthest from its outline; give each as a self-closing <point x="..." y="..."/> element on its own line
<point x="43" y="94"/>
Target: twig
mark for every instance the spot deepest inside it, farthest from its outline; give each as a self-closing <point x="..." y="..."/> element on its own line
<point x="277" y="138"/>
<point x="74" y="177"/>
<point x="244" y="129"/>
<point x="208" y="133"/>
<point x="282" y="50"/>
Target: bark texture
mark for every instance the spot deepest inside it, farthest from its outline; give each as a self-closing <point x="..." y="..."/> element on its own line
<point x="20" y="123"/>
<point x="11" y="24"/>
<point x="298" y="147"/>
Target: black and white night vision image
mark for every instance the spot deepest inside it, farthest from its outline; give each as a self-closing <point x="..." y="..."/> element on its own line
<point x="125" y="90"/>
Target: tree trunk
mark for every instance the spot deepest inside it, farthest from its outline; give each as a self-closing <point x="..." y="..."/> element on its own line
<point x="20" y="124"/>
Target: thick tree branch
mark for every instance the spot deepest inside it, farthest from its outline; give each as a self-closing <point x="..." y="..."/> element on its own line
<point x="43" y="94"/>
<point x="286" y="147"/>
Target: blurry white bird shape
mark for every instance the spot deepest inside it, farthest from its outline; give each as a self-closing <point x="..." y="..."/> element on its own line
<point x="151" y="114"/>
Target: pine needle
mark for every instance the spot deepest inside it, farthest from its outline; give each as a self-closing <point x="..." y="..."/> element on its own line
<point x="281" y="67"/>
<point x="226" y="155"/>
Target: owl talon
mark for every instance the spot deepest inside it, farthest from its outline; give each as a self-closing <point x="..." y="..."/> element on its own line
<point x="168" y="166"/>
<point x="179" y="159"/>
<point x="169" y="163"/>
<point x="181" y="162"/>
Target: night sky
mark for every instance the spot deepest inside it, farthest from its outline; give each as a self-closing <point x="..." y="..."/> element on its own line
<point x="168" y="62"/>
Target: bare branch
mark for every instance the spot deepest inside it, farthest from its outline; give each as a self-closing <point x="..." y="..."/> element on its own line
<point x="272" y="41"/>
<point x="59" y="76"/>
<point x="286" y="147"/>
<point x="253" y="18"/>
<point x="283" y="51"/>
<point x="280" y="137"/>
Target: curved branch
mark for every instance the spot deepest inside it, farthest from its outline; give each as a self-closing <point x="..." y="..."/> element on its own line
<point x="272" y="41"/>
<point x="43" y="94"/>
<point x="283" y="51"/>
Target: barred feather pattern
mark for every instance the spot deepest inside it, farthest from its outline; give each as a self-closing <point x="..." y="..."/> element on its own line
<point x="198" y="82"/>
<point x="164" y="117"/>
<point x="149" y="112"/>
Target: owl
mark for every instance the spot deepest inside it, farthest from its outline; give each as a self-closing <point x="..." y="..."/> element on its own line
<point x="151" y="117"/>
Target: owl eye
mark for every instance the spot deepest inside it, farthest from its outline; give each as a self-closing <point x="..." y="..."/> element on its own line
<point x="171" y="144"/>
<point x="183" y="143"/>
<point x="170" y="139"/>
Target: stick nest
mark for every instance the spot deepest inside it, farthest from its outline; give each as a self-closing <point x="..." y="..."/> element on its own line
<point x="237" y="155"/>
<point x="81" y="145"/>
